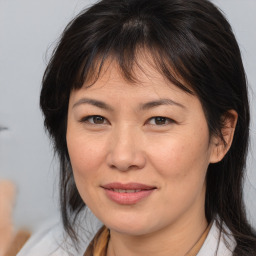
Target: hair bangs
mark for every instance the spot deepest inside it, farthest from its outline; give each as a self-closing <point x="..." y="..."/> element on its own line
<point x="130" y="47"/>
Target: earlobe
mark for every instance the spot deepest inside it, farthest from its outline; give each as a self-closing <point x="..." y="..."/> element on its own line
<point x="221" y="144"/>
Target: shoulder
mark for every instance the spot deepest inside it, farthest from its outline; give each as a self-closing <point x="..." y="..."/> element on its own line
<point x="218" y="243"/>
<point x="52" y="241"/>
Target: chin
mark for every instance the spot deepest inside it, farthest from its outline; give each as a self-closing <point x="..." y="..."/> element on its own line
<point x="131" y="225"/>
<point x="130" y="230"/>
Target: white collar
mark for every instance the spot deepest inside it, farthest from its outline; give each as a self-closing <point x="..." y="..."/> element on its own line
<point x="48" y="243"/>
<point x="218" y="243"/>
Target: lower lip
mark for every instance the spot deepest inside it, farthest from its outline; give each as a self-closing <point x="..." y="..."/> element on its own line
<point x="128" y="198"/>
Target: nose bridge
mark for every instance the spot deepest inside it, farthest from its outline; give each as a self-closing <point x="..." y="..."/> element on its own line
<point x="126" y="150"/>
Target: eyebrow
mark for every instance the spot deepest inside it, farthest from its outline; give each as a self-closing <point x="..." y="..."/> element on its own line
<point x="97" y="103"/>
<point x="160" y="102"/>
<point x="144" y="106"/>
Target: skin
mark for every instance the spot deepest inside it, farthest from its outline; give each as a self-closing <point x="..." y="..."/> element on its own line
<point x="128" y="145"/>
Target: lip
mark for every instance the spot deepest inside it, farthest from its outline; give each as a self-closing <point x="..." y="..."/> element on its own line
<point x="134" y="192"/>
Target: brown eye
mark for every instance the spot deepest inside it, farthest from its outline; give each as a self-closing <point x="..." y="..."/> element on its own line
<point x="160" y="120"/>
<point x="94" y="120"/>
<point x="98" y="120"/>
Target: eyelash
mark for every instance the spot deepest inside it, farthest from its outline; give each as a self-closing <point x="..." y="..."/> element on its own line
<point x="105" y="121"/>
<point x="161" y="118"/>
<point x="93" y="117"/>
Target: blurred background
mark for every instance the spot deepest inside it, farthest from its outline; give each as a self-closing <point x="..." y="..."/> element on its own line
<point x="28" y="32"/>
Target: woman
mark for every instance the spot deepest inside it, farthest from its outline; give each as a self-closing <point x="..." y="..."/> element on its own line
<point x="146" y="103"/>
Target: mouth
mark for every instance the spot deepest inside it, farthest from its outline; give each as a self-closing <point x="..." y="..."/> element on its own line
<point x="128" y="194"/>
<point x="126" y="190"/>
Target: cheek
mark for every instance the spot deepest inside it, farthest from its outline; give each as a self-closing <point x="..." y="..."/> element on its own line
<point x="85" y="156"/>
<point x="181" y="156"/>
<point x="182" y="165"/>
<point x="85" y="161"/>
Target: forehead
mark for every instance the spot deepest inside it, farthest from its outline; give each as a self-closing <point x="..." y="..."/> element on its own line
<point x="148" y="85"/>
<point x="144" y="70"/>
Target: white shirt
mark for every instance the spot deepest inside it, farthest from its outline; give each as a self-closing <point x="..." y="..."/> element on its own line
<point x="53" y="242"/>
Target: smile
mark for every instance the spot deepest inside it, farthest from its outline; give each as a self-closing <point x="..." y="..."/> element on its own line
<point x="127" y="194"/>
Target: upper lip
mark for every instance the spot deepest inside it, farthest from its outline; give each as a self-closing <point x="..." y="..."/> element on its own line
<point x="128" y="186"/>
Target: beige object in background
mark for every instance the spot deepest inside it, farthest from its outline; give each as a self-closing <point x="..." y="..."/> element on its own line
<point x="17" y="242"/>
<point x="7" y="195"/>
<point x="10" y="243"/>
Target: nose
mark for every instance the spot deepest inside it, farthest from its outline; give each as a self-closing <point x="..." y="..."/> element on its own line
<point x="126" y="151"/>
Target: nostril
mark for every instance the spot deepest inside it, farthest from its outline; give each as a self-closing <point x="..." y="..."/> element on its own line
<point x="124" y="167"/>
<point x="126" y="157"/>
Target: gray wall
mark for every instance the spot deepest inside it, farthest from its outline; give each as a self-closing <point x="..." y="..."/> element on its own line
<point x="28" y="30"/>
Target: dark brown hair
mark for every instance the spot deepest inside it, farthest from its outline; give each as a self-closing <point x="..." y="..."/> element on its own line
<point x="190" y="39"/>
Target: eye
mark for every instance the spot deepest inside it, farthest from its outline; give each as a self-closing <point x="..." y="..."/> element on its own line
<point x="94" y="120"/>
<point x="160" y="120"/>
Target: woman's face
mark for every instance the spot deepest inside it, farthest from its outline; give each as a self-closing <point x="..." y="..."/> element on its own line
<point x="139" y="152"/>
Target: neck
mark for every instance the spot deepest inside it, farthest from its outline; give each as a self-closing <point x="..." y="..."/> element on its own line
<point x="176" y="239"/>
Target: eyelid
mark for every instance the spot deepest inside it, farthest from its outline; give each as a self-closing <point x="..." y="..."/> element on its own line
<point x="169" y="120"/>
<point x="86" y="120"/>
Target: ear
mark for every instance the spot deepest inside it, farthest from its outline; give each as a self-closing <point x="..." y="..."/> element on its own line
<point x="220" y="146"/>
